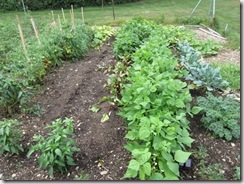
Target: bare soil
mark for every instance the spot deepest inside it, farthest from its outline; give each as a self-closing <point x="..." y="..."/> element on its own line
<point x="70" y="91"/>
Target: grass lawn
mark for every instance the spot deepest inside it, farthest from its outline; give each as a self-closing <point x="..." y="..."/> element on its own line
<point x="164" y="11"/>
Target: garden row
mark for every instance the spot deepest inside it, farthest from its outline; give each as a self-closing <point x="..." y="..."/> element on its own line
<point x="152" y="86"/>
<point x="21" y="72"/>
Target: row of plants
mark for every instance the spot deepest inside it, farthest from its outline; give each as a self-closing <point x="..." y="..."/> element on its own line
<point x="152" y="87"/>
<point x="20" y="72"/>
<point x="56" y="149"/>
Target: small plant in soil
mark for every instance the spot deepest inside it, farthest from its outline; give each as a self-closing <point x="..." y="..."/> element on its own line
<point x="220" y="115"/>
<point x="210" y="172"/>
<point x="57" y="149"/>
<point x="10" y="137"/>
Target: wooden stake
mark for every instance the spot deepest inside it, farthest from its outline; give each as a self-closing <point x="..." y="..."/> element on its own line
<point x="72" y="17"/>
<point x="35" y="30"/>
<point x="82" y="15"/>
<point x="60" y="26"/>
<point x="63" y="14"/>
<point x="113" y="9"/>
<point x="52" y="17"/>
<point x="21" y="35"/>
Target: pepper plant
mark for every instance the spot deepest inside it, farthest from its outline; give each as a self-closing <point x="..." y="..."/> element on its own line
<point x="10" y="137"/>
<point x="57" y="149"/>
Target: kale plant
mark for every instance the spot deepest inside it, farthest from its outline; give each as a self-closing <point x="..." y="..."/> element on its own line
<point x="220" y="116"/>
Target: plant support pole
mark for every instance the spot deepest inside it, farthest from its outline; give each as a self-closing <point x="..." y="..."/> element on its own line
<point x="23" y="4"/>
<point x="113" y="9"/>
<point x="63" y="13"/>
<point x="21" y="35"/>
<point x="195" y="7"/>
<point x="82" y="15"/>
<point x="35" y="30"/>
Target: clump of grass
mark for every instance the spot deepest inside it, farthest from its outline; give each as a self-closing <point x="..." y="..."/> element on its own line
<point x="230" y="73"/>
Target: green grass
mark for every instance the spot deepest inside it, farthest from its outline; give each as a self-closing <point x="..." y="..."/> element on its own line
<point x="230" y="73"/>
<point x="164" y="11"/>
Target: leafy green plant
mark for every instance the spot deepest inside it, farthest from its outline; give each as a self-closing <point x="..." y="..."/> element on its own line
<point x="155" y="104"/>
<point x="237" y="175"/>
<point x="210" y="172"/>
<point x="220" y="115"/>
<point x="200" y="73"/>
<point x="10" y="137"/>
<point x="57" y="148"/>
<point x="101" y="35"/>
<point x="82" y="176"/>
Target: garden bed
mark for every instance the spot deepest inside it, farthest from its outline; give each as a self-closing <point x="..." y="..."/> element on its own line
<point x="70" y="91"/>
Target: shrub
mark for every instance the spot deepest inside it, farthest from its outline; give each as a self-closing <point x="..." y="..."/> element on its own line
<point x="57" y="149"/>
<point x="10" y="137"/>
<point x="220" y="116"/>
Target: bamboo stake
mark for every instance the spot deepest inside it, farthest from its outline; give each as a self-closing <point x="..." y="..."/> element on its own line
<point x="60" y="26"/>
<point x="72" y="17"/>
<point x="21" y="35"/>
<point x="52" y="16"/>
<point x="212" y="34"/>
<point x="53" y="24"/>
<point x="82" y="15"/>
<point x="35" y="30"/>
<point x="63" y="14"/>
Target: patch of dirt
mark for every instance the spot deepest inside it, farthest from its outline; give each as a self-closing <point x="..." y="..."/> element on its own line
<point x="69" y="92"/>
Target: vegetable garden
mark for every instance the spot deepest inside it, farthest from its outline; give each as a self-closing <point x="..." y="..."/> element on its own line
<point x="139" y="102"/>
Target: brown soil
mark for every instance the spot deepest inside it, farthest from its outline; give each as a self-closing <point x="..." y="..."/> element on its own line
<point x="69" y="92"/>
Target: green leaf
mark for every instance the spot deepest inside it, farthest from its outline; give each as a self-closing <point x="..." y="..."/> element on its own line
<point x="156" y="176"/>
<point x="104" y="118"/>
<point x="134" y="165"/>
<point x="58" y="152"/>
<point x="143" y="158"/>
<point x="181" y="156"/>
<point x="174" y="167"/>
<point x="95" y="108"/>
<point x="141" y="173"/>
<point x="30" y="152"/>
<point x="131" y="135"/>
<point x="147" y="168"/>
<point x="144" y="133"/>
<point x="195" y="110"/>
<point x="130" y="173"/>
<point x="179" y="103"/>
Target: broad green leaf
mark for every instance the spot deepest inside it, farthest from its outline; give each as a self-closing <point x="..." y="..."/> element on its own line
<point x="156" y="176"/>
<point x="134" y="165"/>
<point x="95" y="108"/>
<point x="130" y="173"/>
<point x="144" y="133"/>
<point x="167" y="156"/>
<point x="104" y="118"/>
<point x="141" y="173"/>
<point x="130" y="135"/>
<point x="174" y="167"/>
<point x="157" y="142"/>
<point x="58" y="152"/>
<point x="195" y="110"/>
<point x="147" y="168"/>
<point x="143" y="158"/>
<point x="181" y="156"/>
<point x="179" y="103"/>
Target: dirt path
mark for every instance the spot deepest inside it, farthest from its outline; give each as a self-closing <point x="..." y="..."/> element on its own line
<point x="69" y="92"/>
